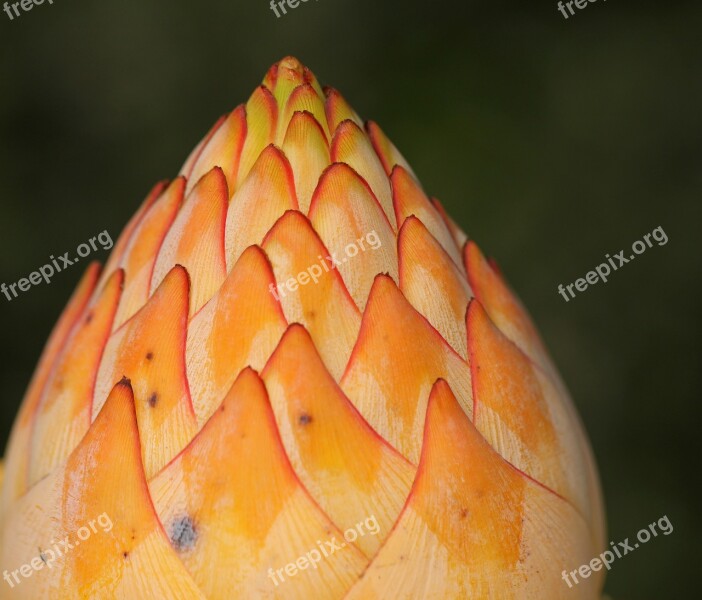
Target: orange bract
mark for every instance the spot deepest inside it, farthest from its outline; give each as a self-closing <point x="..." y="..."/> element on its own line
<point x="296" y="378"/>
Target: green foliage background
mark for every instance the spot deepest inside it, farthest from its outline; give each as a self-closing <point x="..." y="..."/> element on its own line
<point x="551" y="142"/>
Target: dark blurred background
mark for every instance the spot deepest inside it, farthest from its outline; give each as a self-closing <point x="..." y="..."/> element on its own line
<point x="551" y="141"/>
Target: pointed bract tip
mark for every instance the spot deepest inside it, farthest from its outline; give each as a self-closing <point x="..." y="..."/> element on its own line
<point x="125" y="382"/>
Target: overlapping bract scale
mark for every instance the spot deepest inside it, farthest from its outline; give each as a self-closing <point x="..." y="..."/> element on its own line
<point x="126" y="554"/>
<point x="291" y="339"/>
<point x="474" y="526"/>
<point x="350" y="470"/>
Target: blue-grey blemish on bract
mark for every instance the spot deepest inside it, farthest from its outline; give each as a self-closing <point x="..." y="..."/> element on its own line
<point x="183" y="534"/>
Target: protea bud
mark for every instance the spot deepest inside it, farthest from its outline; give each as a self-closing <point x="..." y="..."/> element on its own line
<point x="289" y="341"/>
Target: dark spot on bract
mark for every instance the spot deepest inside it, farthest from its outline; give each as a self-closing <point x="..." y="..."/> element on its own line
<point x="304" y="419"/>
<point x="125" y="554"/>
<point x="153" y="399"/>
<point x="88" y="318"/>
<point x="125" y="381"/>
<point x="464" y="513"/>
<point x="183" y="534"/>
<point x="149" y="356"/>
